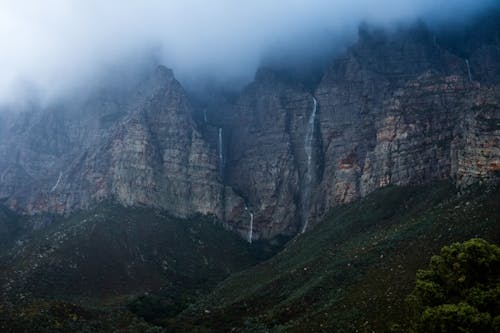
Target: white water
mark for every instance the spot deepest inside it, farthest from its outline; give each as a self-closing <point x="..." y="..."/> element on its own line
<point x="468" y="69"/>
<point x="308" y="148"/>
<point x="250" y="231"/>
<point x="221" y="155"/>
<point x="57" y="183"/>
<point x="250" y="228"/>
<point x="309" y="138"/>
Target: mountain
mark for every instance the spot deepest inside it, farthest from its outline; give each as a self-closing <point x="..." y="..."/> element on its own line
<point x="397" y="108"/>
<point x="139" y="206"/>
<point x="143" y="149"/>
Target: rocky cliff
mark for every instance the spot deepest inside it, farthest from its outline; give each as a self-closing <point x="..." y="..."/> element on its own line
<point x="397" y="108"/>
<point x="142" y="150"/>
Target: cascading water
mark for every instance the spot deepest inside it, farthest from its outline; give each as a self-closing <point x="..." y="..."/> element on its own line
<point x="221" y="154"/>
<point x="468" y="69"/>
<point x="308" y="148"/>
<point x="205" y="118"/>
<point x="57" y="182"/>
<point x="308" y="142"/>
<point x="250" y="228"/>
<point x="250" y="232"/>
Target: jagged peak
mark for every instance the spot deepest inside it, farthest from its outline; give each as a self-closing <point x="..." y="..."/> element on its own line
<point x="161" y="78"/>
<point x="164" y="73"/>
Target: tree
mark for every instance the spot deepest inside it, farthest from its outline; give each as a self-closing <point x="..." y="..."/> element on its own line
<point x="460" y="291"/>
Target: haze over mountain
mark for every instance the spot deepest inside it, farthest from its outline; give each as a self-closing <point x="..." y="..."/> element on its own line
<point x="243" y="166"/>
<point x="56" y="46"/>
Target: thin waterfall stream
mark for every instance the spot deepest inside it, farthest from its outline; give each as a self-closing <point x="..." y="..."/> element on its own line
<point x="250" y="228"/>
<point x="57" y="182"/>
<point x="308" y="148"/>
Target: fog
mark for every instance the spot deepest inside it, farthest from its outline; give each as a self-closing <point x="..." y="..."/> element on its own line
<point x="54" y="46"/>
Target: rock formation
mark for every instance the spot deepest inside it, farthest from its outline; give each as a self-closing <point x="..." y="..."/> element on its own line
<point x="395" y="109"/>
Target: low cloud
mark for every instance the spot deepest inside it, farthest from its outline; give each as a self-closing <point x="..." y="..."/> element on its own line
<point x="54" y="46"/>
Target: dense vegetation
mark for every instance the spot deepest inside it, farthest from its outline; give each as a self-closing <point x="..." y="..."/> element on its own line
<point x="108" y="268"/>
<point x="460" y="291"/>
<point x="11" y="227"/>
<point x="353" y="271"/>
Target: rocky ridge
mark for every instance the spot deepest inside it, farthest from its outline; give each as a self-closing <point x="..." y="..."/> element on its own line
<point x="397" y="108"/>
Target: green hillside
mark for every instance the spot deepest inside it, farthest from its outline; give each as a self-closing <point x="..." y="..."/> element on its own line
<point x="352" y="272"/>
<point x="98" y="265"/>
<point x="11" y="227"/>
<point x="139" y="270"/>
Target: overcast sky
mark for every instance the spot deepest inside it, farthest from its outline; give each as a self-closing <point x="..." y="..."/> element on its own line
<point x="54" y="45"/>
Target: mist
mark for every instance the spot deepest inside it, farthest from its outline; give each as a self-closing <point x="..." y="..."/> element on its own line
<point x="51" y="47"/>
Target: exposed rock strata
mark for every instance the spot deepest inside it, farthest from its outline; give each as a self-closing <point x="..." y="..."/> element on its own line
<point x="395" y="109"/>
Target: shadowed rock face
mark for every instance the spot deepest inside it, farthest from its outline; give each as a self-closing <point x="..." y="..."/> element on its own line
<point x="267" y="159"/>
<point x="155" y="156"/>
<point x="150" y="154"/>
<point x="394" y="109"/>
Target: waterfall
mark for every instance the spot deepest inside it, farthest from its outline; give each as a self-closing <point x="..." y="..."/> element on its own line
<point x="57" y="183"/>
<point x="468" y="69"/>
<point x="221" y="154"/>
<point x="308" y="142"/>
<point x="250" y="228"/>
<point x="205" y="118"/>
<point x="250" y="231"/>
<point x="308" y="148"/>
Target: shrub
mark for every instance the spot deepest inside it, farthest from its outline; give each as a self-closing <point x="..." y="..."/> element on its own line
<point x="460" y="291"/>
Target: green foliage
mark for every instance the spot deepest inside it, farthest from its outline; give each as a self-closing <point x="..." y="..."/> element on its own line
<point x="11" y="227"/>
<point x="349" y="273"/>
<point x="460" y="291"/>
<point x="150" y="307"/>
<point x="352" y="271"/>
<point x="46" y="316"/>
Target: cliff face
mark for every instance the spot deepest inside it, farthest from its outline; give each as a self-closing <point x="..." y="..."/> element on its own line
<point x="395" y="109"/>
<point x="409" y="113"/>
<point x="476" y="147"/>
<point x="266" y="152"/>
<point x="150" y="154"/>
<point x="155" y="156"/>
